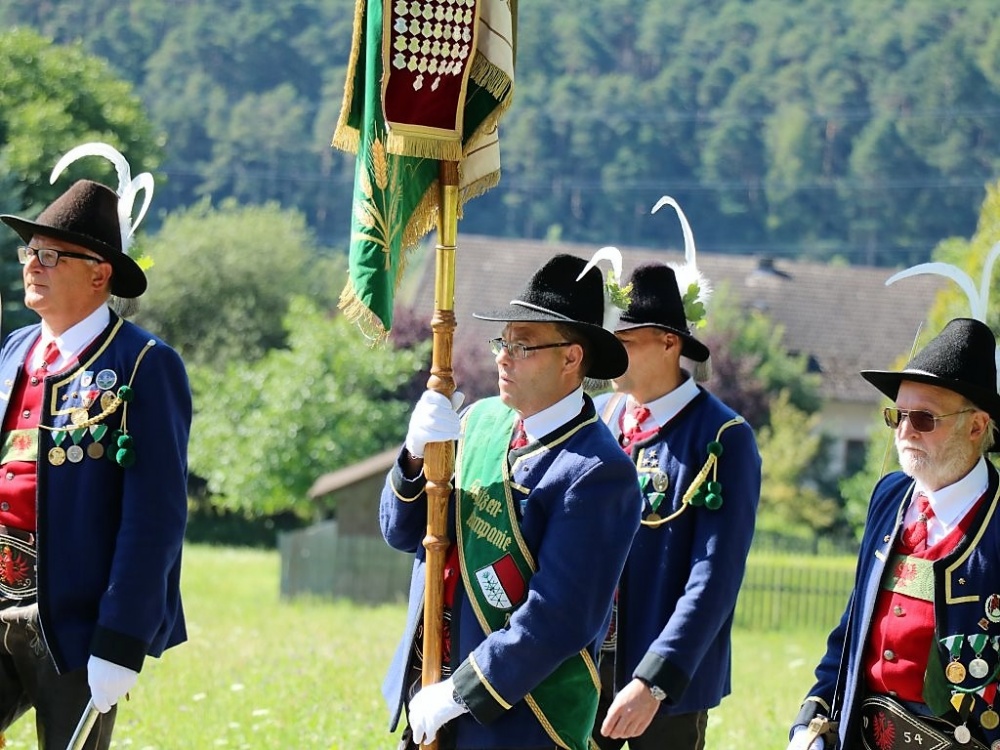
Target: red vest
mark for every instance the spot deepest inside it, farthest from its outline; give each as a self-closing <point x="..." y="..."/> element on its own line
<point x="17" y="461"/>
<point x="902" y="629"/>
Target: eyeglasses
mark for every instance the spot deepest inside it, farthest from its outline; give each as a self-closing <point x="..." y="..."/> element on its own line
<point x="920" y="420"/>
<point x="520" y="351"/>
<point x="49" y="257"/>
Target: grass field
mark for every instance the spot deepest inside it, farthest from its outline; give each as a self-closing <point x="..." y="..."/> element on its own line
<point x="261" y="673"/>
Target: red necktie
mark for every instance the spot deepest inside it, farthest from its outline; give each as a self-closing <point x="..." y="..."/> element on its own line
<point x="48" y="358"/>
<point x="632" y="422"/>
<point x="520" y="438"/>
<point x="915" y="534"/>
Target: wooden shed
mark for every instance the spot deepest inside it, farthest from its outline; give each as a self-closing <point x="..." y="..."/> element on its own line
<point x="346" y="557"/>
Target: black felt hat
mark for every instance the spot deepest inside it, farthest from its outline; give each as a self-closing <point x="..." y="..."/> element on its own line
<point x="656" y="301"/>
<point x="553" y="295"/>
<point x="87" y="215"/>
<point x="962" y="358"/>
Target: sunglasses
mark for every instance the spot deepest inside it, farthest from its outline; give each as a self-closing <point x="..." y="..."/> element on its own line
<point x="920" y="420"/>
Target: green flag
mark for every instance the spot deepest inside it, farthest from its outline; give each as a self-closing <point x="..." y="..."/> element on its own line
<point x="427" y="81"/>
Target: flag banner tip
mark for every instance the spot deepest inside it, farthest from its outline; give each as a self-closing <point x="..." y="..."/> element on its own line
<point x="481" y="186"/>
<point x="347" y="139"/>
<point x="494" y="79"/>
<point x="359" y="313"/>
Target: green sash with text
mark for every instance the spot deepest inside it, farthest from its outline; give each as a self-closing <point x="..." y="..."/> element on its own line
<point x="497" y="566"/>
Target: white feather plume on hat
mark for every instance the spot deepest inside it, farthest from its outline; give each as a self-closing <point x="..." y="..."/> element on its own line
<point x="978" y="299"/>
<point x="128" y="188"/>
<point x="616" y="297"/>
<point x="688" y="275"/>
<point x="695" y="288"/>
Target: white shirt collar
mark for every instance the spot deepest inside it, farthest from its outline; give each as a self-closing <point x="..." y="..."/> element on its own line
<point x="553" y="417"/>
<point x="951" y="503"/>
<point x="73" y="340"/>
<point x="668" y="406"/>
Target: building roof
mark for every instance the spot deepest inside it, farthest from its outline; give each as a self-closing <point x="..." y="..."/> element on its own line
<point x="337" y="480"/>
<point x="843" y="317"/>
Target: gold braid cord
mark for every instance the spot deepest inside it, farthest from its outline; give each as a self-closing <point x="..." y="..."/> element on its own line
<point x="711" y="465"/>
<point x="111" y="408"/>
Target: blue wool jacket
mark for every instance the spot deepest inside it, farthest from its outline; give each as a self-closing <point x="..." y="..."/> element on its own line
<point x="966" y="603"/>
<point x="109" y="539"/>
<point x="580" y="512"/>
<point x="680" y="583"/>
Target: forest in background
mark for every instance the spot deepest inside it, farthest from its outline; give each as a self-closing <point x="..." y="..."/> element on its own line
<point x="739" y="110"/>
<point x="851" y="131"/>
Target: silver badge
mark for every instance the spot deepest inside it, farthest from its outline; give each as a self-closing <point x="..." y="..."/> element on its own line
<point x="978" y="668"/>
<point x="660" y="481"/>
<point x="962" y="734"/>
<point x="106" y="379"/>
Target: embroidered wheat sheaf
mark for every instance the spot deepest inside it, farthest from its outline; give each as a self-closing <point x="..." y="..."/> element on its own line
<point x="377" y="213"/>
<point x="380" y="165"/>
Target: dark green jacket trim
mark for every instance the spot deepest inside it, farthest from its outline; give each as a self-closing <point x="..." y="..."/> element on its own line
<point x="119" y="648"/>
<point x="483" y="706"/>
<point x="658" y="671"/>
<point x="405" y="488"/>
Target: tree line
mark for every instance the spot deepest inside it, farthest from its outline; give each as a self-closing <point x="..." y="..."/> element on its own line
<point x="853" y="130"/>
<point x="247" y="269"/>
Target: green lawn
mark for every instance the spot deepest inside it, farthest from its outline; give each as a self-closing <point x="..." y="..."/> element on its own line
<point x="261" y="673"/>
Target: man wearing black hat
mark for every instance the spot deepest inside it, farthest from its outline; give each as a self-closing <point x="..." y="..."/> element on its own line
<point x="914" y="661"/>
<point x="93" y="502"/>
<point x="544" y="509"/>
<point x="666" y="661"/>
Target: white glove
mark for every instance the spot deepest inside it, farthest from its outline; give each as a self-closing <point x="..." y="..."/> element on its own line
<point x="108" y="682"/>
<point x="434" y="420"/>
<point x="799" y="739"/>
<point x="432" y="708"/>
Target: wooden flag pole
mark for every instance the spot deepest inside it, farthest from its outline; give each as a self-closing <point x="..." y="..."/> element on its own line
<point x="439" y="458"/>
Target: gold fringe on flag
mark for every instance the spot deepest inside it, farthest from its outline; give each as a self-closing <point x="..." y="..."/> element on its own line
<point x="423" y="146"/>
<point x="345" y="137"/>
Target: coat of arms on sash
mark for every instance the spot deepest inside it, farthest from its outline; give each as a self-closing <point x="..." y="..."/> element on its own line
<point x="501" y="583"/>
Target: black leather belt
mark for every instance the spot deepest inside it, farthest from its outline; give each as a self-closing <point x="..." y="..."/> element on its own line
<point x="17" y="564"/>
<point x="888" y="725"/>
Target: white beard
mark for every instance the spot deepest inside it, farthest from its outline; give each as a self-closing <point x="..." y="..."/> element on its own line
<point x="952" y="461"/>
